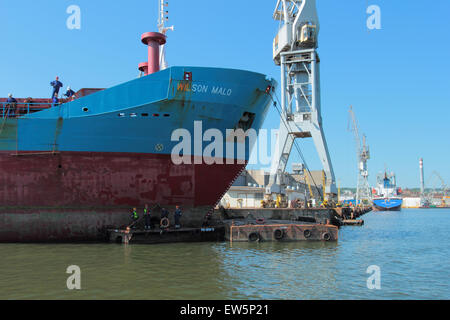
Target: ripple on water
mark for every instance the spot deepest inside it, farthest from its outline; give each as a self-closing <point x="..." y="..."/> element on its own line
<point x="410" y="247"/>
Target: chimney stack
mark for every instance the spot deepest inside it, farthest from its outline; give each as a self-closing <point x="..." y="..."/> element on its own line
<point x="153" y="40"/>
<point x="422" y="183"/>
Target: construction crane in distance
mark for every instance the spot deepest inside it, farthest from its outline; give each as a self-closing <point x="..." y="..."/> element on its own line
<point x="363" y="191"/>
<point x="427" y="197"/>
<point x="434" y="185"/>
<point x="443" y="185"/>
<point x="294" y="50"/>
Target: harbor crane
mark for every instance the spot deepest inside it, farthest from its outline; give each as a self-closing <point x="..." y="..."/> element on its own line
<point x="426" y="198"/>
<point x="363" y="191"/>
<point x="295" y="51"/>
<point x="443" y="185"/>
<point x="433" y="181"/>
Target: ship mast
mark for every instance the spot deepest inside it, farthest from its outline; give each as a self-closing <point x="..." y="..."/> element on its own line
<point x="163" y="17"/>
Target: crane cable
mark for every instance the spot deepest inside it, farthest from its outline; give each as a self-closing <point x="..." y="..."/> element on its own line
<point x="295" y="143"/>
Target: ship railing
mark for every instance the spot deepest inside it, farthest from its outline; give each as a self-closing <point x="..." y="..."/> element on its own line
<point x="18" y="109"/>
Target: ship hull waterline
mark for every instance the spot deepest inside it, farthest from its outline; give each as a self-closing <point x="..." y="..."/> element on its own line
<point x="387" y="204"/>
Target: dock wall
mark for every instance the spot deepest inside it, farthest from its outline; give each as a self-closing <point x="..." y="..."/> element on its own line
<point x="313" y="215"/>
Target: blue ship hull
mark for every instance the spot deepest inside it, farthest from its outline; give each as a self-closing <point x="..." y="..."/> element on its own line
<point x="113" y="120"/>
<point x="387" y="204"/>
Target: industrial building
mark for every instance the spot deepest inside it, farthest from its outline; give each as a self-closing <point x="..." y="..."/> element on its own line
<point x="249" y="188"/>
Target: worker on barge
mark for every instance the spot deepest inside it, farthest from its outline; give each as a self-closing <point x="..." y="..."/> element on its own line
<point x="164" y="223"/>
<point x="134" y="217"/>
<point x="147" y="217"/>
<point x="177" y="215"/>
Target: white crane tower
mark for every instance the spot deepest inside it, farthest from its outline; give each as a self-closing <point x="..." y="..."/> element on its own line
<point x="162" y="18"/>
<point x="363" y="194"/>
<point x="294" y="49"/>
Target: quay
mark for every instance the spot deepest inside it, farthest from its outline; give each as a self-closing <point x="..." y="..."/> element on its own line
<point x="352" y="213"/>
<point x="333" y="216"/>
<point x="309" y="215"/>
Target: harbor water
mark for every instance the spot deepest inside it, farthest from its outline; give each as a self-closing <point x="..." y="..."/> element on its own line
<point x="409" y="247"/>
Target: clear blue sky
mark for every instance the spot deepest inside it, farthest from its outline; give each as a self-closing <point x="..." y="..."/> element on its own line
<point x="397" y="78"/>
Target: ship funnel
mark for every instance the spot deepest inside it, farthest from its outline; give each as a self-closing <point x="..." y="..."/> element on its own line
<point x="143" y="67"/>
<point x="153" y="40"/>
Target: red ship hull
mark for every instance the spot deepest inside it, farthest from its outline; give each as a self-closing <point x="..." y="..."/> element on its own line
<point x="76" y="195"/>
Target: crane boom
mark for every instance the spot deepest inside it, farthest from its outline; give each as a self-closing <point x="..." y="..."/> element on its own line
<point x="443" y="185"/>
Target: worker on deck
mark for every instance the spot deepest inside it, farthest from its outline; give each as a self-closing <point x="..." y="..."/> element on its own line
<point x="207" y="218"/>
<point x="70" y="94"/>
<point x="56" y="84"/>
<point x="55" y="100"/>
<point x="134" y="217"/>
<point x="177" y="215"/>
<point x="11" y="105"/>
<point x="164" y="222"/>
<point x="147" y="217"/>
<point x="164" y="213"/>
<point x="278" y="202"/>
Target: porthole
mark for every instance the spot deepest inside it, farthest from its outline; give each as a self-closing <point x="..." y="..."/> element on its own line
<point x="85" y="109"/>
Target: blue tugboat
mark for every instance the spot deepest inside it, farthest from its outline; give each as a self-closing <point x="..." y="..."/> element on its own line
<point x="386" y="195"/>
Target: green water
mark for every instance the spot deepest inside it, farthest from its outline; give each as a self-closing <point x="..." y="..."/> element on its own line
<point x="411" y="248"/>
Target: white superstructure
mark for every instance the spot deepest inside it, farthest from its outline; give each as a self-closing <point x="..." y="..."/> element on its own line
<point x="386" y="185"/>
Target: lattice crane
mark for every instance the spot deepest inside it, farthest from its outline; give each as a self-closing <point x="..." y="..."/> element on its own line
<point x="294" y="50"/>
<point x="363" y="191"/>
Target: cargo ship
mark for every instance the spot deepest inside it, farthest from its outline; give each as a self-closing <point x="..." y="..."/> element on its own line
<point x="386" y="196"/>
<point x="70" y="171"/>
